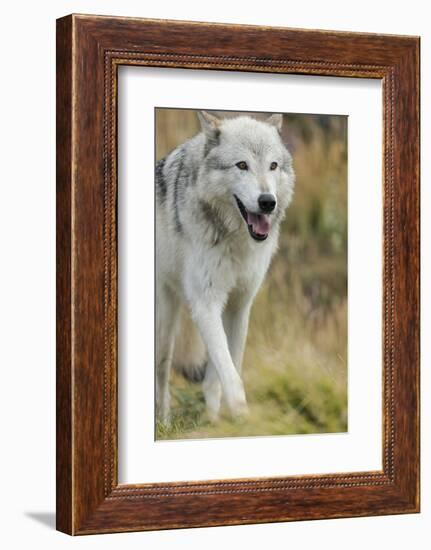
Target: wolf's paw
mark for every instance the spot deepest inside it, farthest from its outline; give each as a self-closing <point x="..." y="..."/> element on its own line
<point x="237" y="404"/>
<point x="213" y="415"/>
<point x="212" y="400"/>
<point x="164" y="422"/>
<point x="241" y="412"/>
<point x="163" y="415"/>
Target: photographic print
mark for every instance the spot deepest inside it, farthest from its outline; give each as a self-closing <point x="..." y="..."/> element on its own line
<point x="251" y="273"/>
<point x="236" y="207"/>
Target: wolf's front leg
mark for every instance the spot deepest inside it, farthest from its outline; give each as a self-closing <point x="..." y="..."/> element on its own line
<point x="212" y="391"/>
<point x="235" y="321"/>
<point x="208" y="318"/>
<point x="167" y="313"/>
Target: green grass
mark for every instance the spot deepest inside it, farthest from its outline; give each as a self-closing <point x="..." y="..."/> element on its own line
<point x="295" y="364"/>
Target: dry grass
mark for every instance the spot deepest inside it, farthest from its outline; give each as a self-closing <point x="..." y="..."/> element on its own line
<point x="295" y="365"/>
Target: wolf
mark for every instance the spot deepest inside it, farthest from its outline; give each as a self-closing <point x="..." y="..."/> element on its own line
<point x="220" y="199"/>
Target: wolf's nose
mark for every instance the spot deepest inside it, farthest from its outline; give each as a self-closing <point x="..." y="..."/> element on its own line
<point x="267" y="202"/>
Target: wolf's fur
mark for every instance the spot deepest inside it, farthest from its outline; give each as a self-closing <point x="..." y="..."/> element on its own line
<point x="207" y="261"/>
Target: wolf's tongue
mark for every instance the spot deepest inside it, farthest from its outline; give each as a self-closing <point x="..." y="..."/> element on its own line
<point x="259" y="222"/>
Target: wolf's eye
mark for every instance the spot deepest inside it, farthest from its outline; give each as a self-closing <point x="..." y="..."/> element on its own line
<point x="273" y="166"/>
<point x="242" y="165"/>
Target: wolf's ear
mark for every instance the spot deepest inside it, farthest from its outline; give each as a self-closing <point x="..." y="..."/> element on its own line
<point x="209" y="124"/>
<point x="276" y="120"/>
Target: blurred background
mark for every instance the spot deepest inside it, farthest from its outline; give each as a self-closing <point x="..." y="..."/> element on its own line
<point x="295" y="363"/>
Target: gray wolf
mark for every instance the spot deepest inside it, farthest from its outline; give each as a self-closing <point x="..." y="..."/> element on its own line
<point x="220" y="199"/>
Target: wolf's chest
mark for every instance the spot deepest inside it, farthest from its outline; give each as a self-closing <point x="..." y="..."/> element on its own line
<point x="230" y="268"/>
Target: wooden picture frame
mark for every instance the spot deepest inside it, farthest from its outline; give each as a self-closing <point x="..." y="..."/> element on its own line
<point x="89" y="51"/>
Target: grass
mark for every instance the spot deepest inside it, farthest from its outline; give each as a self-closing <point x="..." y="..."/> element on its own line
<point x="295" y="364"/>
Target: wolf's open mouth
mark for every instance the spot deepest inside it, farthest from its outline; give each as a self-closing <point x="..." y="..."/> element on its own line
<point x="258" y="224"/>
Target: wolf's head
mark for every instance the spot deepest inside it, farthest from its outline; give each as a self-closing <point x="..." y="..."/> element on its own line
<point x="247" y="170"/>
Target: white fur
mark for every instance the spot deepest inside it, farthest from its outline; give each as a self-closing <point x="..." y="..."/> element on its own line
<point x="205" y="256"/>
